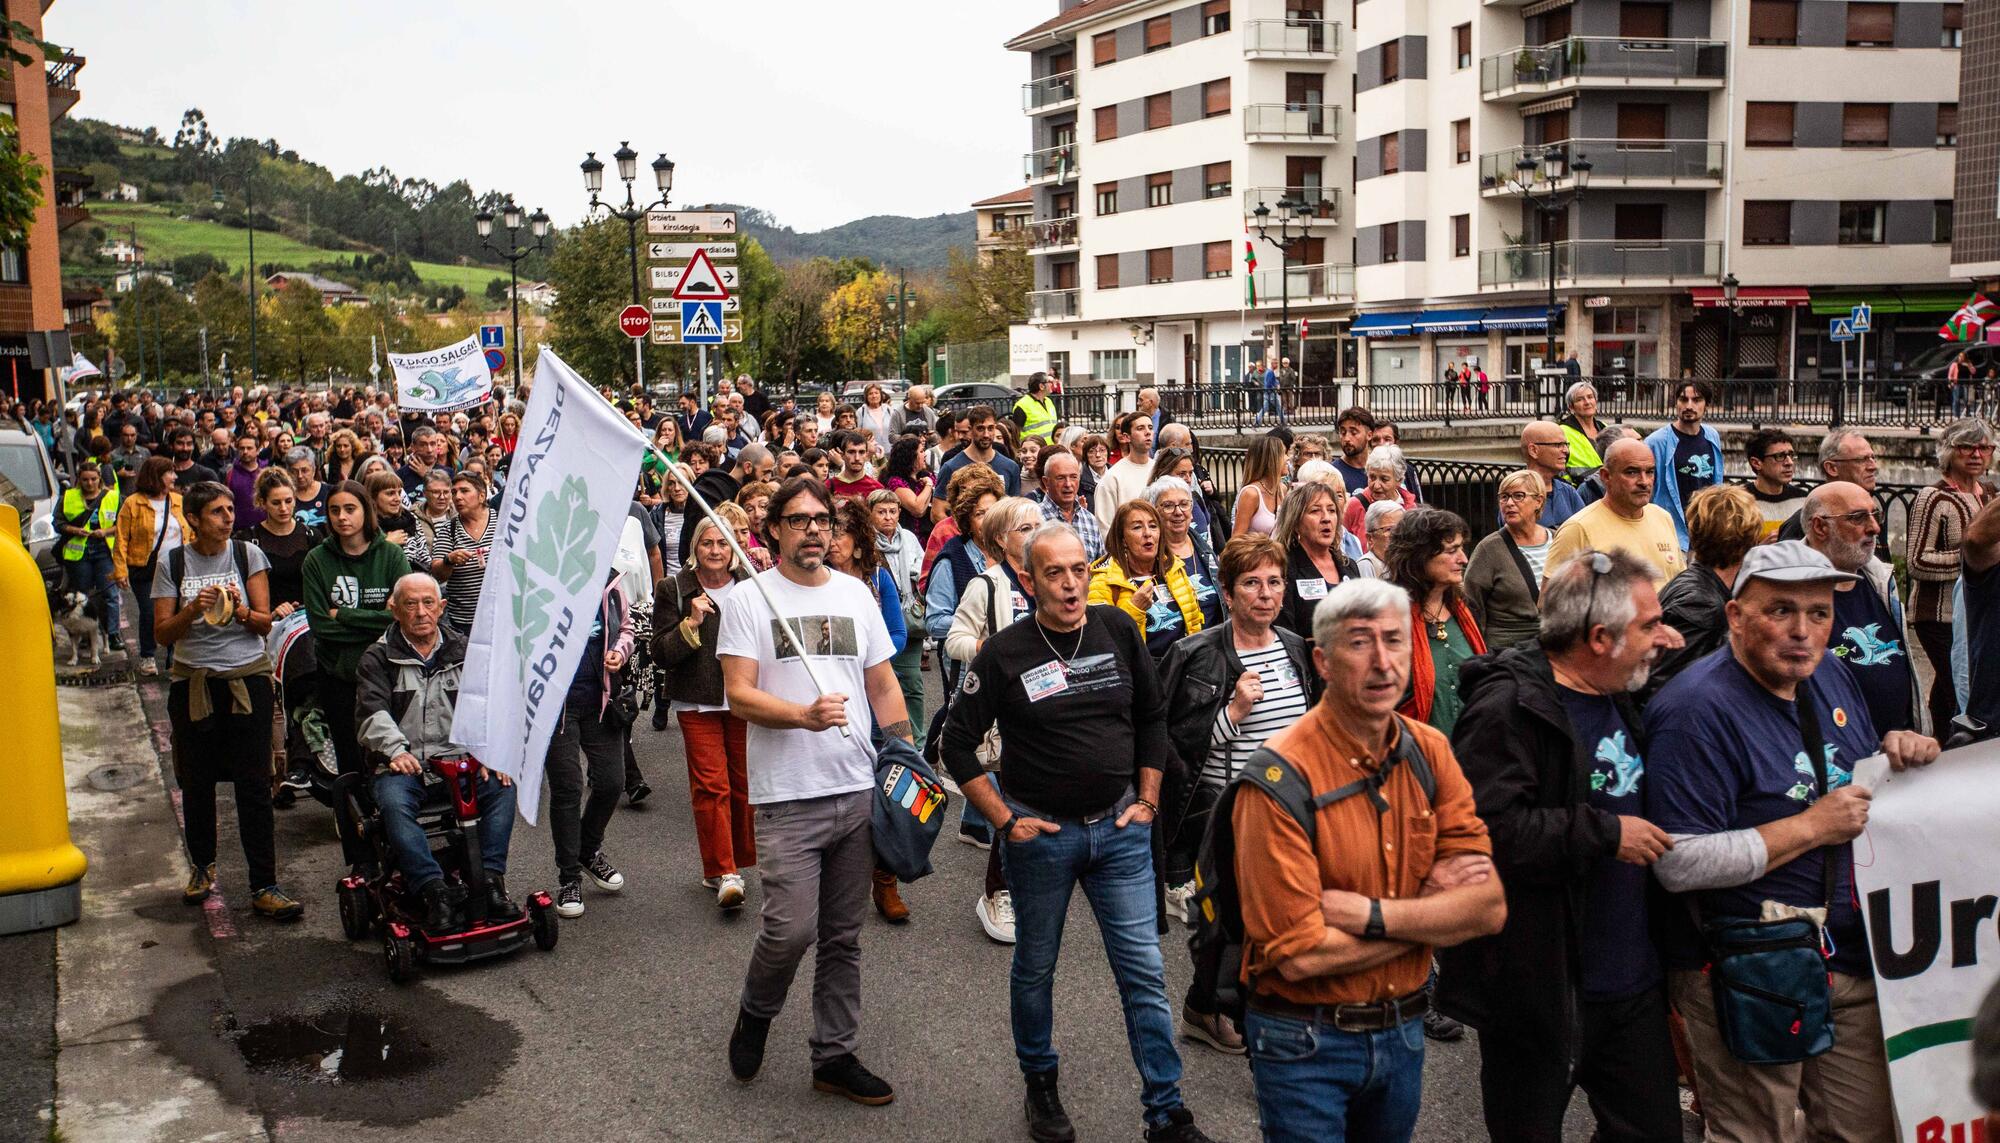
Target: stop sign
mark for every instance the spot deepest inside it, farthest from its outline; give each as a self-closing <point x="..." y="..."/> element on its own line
<point x="634" y="321"/>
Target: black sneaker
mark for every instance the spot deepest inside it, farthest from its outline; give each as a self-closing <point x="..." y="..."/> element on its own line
<point x="1047" y="1121"/>
<point x="437" y="907"/>
<point x="1179" y="1128"/>
<point x="637" y="792"/>
<point x="603" y="873"/>
<point x="115" y="641"/>
<point x="746" y="1045"/>
<point x="569" y="899"/>
<point x="844" y="1075"/>
<point x="1442" y="1028"/>
<point x="660" y="716"/>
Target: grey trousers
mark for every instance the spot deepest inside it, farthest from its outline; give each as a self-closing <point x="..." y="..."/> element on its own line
<point x="815" y="858"/>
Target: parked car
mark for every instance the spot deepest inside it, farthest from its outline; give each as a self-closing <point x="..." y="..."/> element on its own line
<point x="966" y="394"/>
<point x="1926" y="376"/>
<point x="892" y="391"/>
<point x="25" y="464"/>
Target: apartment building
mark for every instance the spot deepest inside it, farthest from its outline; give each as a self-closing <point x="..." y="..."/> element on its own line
<point x="33" y="333"/>
<point x="1975" y="233"/>
<point x="1708" y="182"/>
<point x="1156" y="129"/>
<point x="1002" y="220"/>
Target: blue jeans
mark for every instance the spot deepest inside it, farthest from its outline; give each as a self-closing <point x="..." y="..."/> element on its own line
<point x="1272" y="405"/>
<point x="93" y="574"/>
<point x="399" y="795"/>
<point x="1316" y="1083"/>
<point x="1115" y="867"/>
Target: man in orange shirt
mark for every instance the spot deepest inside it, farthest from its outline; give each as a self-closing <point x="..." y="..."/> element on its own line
<point x="1339" y="926"/>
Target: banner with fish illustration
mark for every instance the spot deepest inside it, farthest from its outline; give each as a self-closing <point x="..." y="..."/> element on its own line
<point x="443" y="380"/>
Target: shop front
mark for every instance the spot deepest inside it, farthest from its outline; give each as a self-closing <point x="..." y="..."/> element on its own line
<point x="1904" y="323"/>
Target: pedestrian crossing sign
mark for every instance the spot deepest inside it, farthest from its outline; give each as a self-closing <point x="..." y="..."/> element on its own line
<point x="1842" y="330"/>
<point x="701" y="323"/>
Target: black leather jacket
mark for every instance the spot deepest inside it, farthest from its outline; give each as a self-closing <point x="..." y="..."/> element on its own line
<point x="1693" y="603"/>
<point x="1199" y="674"/>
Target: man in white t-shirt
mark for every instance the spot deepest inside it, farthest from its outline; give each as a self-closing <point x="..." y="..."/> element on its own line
<point x="1128" y="478"/>
<point x="810" y="781"/>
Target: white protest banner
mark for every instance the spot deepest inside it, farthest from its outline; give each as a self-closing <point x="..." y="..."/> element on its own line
<point x="568" y="489"/>
<point x="443" y="380"/>
<point x="1928" y="872"/>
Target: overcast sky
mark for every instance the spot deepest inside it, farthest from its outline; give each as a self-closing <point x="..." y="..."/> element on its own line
<point x="818" y="112"/>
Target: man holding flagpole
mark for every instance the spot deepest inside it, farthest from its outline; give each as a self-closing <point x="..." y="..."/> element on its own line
<point x="806" y="662"/>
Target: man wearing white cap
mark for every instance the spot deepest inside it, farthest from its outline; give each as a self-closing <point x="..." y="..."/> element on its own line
<point x="1750" y="756"/>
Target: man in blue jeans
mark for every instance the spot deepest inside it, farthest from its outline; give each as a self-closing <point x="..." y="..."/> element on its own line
<point x="1339" y="925"/>
<point x="1083" y="717"/>
<point x="406" y="687"/>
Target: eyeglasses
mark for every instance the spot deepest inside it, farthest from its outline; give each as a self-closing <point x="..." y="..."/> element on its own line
<point x="1864" y="458"/>
<point x="1600" y="566"/>
<point x="1860" y="517"/>
<point x="1515" y="497"/>
<point x="1176" y="505"/>
<point x="1974" y="447"/>
<point x="1563" y="445"/>
<point x="799" y="522"/>
<point x="1780" y="457"/>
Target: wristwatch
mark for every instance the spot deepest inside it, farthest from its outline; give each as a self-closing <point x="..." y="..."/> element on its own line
<point x="1374" y="931"/>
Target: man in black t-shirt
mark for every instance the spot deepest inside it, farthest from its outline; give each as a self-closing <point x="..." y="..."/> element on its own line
<point x="1841" y="523"/>
<point x="1082" y="720"/>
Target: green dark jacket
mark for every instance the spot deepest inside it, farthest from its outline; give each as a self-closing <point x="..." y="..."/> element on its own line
<point x="357" y="587"/>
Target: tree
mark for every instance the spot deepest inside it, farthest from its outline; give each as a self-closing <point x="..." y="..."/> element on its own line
<point x="194" y="140"/>
<point x="155" y="330"/>
<point x="858" y="327"/>
<point x="590" y="273"/>
<point x="194" y="267"/>
<point x="20" y="186"/>
<point x="789" y="328"/>
<point x="221" y="306"/>
<point x="496" y="290"/>
<point x="296" y="333"/>
<point x="982" y="298"/>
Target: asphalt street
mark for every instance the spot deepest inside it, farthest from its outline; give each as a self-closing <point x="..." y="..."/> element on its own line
<point x="619" y="1033"/>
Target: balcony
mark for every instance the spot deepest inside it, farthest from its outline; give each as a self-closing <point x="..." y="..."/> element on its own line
<point x="1602" y="61"/>
<point x="1604" y="261"/>
<point x="1292" y="123"/>
<point x="69" y="202"/>
<point x="1324" y="201"/>
<point x="1291" y="40"/>
<point x="1050" y="93"/>
<point x="63" y="94"/>
<point x="1052" y="235"/>
<point x="1053" y="305"/>
<point x="1049" y="165"/>
<point x="1695" y="164"/>
<point x="1322" y="282"/>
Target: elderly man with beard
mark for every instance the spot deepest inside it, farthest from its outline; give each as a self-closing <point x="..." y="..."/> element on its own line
<point x="1571" y="992"/>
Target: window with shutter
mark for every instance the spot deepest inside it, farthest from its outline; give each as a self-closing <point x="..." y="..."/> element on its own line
<point x="1392" y="61"/>
<point x="1103" y="49"/>
<point x="1107" y="271"/>
<point x="1063" y="275"/>
<point x="1160" y="265"/>
<point x="1159" y="33"/>
<point x="1941" y="221"/>
<point x="1107" y="198"/>
<point x="1639" y="222"/>
<point x="1774" y="21"/>
<point x="1767" y="223"/>
<point x="1947" y="125"/>
<point x="1768" y="124"/>
<point x="1461" y="235"/>
<point x="1554" y="125"/>
<point x="1637" y="21"/>
<point x="1392" y="242"/>
<point x="1107" y="123"/>
<point x="1392" y="153"/>
<point x="1159" y="111"/>
<point x="1954" y="27"/>
<point x="1642" y="122"/>
<point x="1160" y="189"/>
<point x="1461" y="46"/>
<point x="1871" y="25"/>
<point x="1461" y="140"/>
<point x="1214" y="17"/>
<point x="1215" y="98"/>
<point x="1215" y="180"/>
<point x="1864" y="125"/>
<point x="1215" y="260"/>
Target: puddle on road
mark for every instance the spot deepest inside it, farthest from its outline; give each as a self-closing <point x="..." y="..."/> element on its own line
<point x="343" y="1046"/>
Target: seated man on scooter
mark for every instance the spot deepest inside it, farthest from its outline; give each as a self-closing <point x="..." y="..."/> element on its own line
<point x="406" y="689"/>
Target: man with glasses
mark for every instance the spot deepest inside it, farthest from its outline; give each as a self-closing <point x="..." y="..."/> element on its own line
<point x="1773" y="458"/>
<point x="1842" y="522"/>
<point x="1546" y="449"/>
<point x="1844" y="454"/>
<point x="811" y="771"/>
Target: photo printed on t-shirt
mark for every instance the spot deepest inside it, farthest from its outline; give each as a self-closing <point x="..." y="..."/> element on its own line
<point x="824" y="636"/>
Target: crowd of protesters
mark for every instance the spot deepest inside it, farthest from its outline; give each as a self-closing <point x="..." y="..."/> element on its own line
<point x="1549" y="767"/>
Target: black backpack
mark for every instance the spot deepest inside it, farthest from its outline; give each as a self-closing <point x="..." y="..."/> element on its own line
<point x="1217" y="943"/>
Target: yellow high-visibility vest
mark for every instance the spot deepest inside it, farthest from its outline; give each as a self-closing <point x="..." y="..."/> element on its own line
<point x="76" y="513"/>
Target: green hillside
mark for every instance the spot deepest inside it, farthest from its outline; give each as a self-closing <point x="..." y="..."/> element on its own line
<point x="167" y="236"/>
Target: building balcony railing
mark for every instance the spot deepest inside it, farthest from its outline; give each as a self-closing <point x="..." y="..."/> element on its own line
<point x="1050" y="164"/>
<point x="1322" y="282"/>
<point x="1053" y="305"/>
<point x="1606" y="260"/>
<point x="1291" y="39"/>
<point x="1052" y="234"/>
<point x="1323" y="201"/>
<point x="1291" y="123"/>
<point x="63" y="94"/>
<point x="1637" y="162"/>
<point x="1049" y="93"/>
<point x="1602" y="61"/>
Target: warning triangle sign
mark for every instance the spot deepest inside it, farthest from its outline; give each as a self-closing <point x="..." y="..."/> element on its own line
<point x="701" y="325"/>
<point x="701" y="282"/>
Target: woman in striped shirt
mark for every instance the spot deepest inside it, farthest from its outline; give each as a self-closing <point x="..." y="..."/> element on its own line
<point x="463" y="541"/>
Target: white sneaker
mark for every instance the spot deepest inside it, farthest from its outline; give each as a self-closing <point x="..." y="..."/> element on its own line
<point x="149" y="667"/>
<point x="1180" y="903"/>
<point x="729" y="891"/>
<point x="996" y="916"/>
<point x="602" y="874"/>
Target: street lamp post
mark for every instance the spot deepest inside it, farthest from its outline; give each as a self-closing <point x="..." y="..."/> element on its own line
<point x="902" y="297"/>
<point x="250" y="224"/>
<point x="1545" y="170"/>
<point x="631" y="214"/>
<point x="1289" y="211"/>
<point x="510" y="217"/>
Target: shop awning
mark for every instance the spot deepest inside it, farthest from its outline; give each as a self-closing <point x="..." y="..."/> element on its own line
<point x="1753" y="296"/>
<point x="1449" y="321"/>
<point x="1892" y="300"/>
<point x="1518" y="317"/>
<point x="1384" y="324"/>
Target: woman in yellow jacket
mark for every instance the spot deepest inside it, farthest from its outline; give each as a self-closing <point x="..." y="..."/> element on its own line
<point x="1140" y="577"/>
<point x="150" y="524"/>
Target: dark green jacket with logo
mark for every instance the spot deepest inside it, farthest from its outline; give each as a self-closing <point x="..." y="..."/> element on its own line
<point x="357" y="589"/>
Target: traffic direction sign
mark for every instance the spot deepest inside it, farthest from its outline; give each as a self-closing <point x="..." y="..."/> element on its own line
<point x="1862" y="317"/>
<point x="1842" y="330"/>
<point x="667" y="306"/>
<point x="682" y="251"/>
<point x="667" y="331"/>
<point x="670" y="278"/>
<point x="634" y="321"/>
<point x="669" y="223"/>
<point x="492" y="337"/>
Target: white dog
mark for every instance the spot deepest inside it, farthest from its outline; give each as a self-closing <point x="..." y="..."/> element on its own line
<point x="80" y="615"/>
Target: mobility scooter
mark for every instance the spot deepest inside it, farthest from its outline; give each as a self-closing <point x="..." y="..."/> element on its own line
<point x="382" y="900"/>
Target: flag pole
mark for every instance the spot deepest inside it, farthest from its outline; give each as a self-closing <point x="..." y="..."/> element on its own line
<point x="729" y="537"/>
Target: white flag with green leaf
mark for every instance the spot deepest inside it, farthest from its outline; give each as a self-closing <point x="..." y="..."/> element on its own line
<point x="569" y="487"/>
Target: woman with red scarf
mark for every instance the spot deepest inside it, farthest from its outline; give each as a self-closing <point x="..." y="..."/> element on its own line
<point x="509" y="433"/>
<point x="1427" y="558"/>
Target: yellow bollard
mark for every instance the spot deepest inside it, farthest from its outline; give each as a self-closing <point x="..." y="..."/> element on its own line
<point x="41" y="873"/>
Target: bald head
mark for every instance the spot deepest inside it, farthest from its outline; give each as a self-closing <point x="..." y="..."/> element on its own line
<point x="1842" y="522"/>
<point x="1173" y="434"/>
<point x="1545" y="448"/>
<point x="1628" y="478"/>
